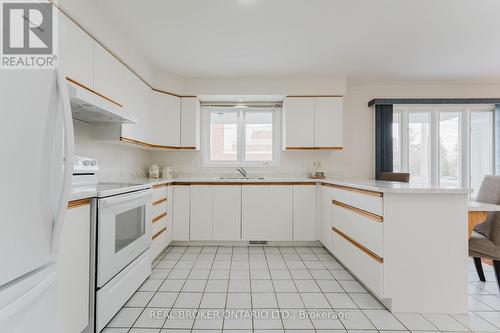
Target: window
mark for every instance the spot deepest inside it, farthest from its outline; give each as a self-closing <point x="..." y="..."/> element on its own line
<point x="241" y="136"/>
<point x="448" y="146"/>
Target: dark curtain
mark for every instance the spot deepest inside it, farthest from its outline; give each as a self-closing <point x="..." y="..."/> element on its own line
<point x="497" y="139"/>
<point x="383" y="139"/>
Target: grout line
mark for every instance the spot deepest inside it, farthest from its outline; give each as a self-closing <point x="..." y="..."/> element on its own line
<point x="274" y="289"/>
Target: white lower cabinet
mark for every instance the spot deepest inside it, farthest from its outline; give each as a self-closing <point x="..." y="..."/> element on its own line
<point x="74" y="268"/>
<point x="170" y="208"/>
<point x="226" y="220"/>
<point x="267" y="212"/>
<point x="325" y="216"/>
<point x="365" y="268"/>
<point x="159" y="228"/>
<point x="304" y="213"/>
<point x="181" y="211"/>
<point x="201" y="212"/>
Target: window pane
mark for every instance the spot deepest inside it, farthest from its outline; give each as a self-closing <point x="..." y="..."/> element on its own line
<point x="259" y="136"/>
<point x="419" y="148"/>
<point x="396" y="152"/>
<point x="223" y="136"/>
<point x="449" y="149"/>
<point x="480" y="148"/>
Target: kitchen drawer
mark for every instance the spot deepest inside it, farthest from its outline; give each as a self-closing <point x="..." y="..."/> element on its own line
<point x="159" y="192"/>
<point x="366" y="200"/>
<point x="159" y="222"/>
<point x="366" y="229"/>
<point x="114" y="294"/>
<point x="159" y="243"/>
<point x="368" y="270"/>
<point x="159" y="208"/>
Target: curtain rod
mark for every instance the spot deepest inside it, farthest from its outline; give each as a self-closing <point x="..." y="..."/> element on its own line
<point x="242" y="105"/>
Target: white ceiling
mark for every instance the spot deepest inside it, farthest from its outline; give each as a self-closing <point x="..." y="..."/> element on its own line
<point x="360" y="39"/>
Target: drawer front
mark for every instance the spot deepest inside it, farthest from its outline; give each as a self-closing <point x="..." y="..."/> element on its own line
<point x="159" y="192"/>
<point x="368" y="270"/>
<point x="159" y="208"/>
<point x="365" y="230"/>
<point x="159" y="244"/>
<point x="111" y="297"/>
<point x="366" y="200"/>
<point x="159" y="223"/>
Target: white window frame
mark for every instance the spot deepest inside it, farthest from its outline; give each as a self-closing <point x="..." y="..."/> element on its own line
<point x="241" y="147"/>
<point x="464" y="137"/>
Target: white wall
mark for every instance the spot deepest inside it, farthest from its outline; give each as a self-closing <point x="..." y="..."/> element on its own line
<point x="357" y="158"/>
<point x="116" y="161"/>
<point x="272" y="85"/>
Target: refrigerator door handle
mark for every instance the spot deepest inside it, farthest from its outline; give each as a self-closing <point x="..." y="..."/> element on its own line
<point x="69" y="147"/>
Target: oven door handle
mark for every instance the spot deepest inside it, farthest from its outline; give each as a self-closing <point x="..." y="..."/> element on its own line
<point x="120" y="199"/>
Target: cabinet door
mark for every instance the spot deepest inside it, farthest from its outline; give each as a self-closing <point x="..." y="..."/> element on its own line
<point x="108" y="75"/>
<point x="298" y="120"/>
<point x="165" y="120"/>
<point x="226" y="212"/>
<point x="76" y="52"/>
<point x="201" y="212"/>
<point x="137" y="101"/>
<point x="170" y="197"/>
<point x="74" y="270"/>
<point x="328" y="122"/>
<point x="280" y="212"/>
<point x="325" y="216"/>
<point x="181" y="212"/>
<point x="190" y="123"/>
<point x="304" y="213"/>
<point x="254" y="212"/>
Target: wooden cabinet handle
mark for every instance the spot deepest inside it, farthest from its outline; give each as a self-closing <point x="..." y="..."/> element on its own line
<point x="359" y="246"/>
<point x="159" y="217"/>
<point x="78" y="203"/>
<point x="162" y="230"/>
<point x="159" y="201"/>
<point x="374" y="217"/>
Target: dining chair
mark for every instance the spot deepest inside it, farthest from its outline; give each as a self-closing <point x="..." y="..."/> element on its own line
<point x="401" y="177"/>
<point x="485" y="239"/>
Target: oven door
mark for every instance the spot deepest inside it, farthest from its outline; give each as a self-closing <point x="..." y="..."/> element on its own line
<point x="123" y="232"/>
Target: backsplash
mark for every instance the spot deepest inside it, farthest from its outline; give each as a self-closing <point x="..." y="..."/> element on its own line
<point x="292" y="165"/>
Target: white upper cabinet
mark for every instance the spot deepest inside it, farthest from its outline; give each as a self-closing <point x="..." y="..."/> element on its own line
<point x="108" y="75"/>
<point x="328" y="122"/>
<point x="76" y="52"/>
<point x="190" y="123"/>
<point x="312" y="123"/>
<point x="137" y="100"/>
<point x="298" y="121"/>
<point x="165" y="120"/>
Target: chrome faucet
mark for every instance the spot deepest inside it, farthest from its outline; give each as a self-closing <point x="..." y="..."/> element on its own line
<point x="242" y="171"/>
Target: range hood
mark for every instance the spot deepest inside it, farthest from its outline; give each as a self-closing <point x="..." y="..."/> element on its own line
<point x="90" y="107"/>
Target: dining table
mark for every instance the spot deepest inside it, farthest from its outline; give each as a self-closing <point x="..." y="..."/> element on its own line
<point x="478" y="213"/>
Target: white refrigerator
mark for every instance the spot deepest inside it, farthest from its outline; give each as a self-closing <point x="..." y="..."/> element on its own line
<point x="36" y="149"/>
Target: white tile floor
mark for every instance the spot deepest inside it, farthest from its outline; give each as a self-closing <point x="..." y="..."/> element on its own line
<point x="269" y="289"/>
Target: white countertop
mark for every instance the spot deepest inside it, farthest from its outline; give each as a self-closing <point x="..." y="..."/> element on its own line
<point x="395" y="187"/>
<point x="370" y="185"/>
<point x="475" y="206"/>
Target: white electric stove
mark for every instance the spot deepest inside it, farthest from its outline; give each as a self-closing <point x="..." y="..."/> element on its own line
<point x="122" y="237"/>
